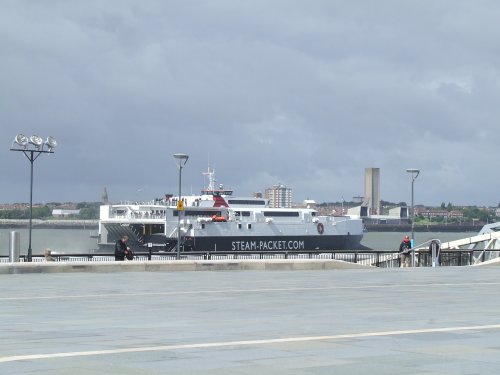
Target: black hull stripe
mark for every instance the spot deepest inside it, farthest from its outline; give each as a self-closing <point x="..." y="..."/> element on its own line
<point x="273" y="243"/>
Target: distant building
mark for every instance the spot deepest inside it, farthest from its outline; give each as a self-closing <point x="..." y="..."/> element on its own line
<point x="104" y="196"/>
<point x="432" y="213"/>
<point x="396" y="216"/>
<point x="358" y="199"/>
<point x="361" y="211"/>
<point x="309" y="203"/>
<point x="65" y="213"/>
<point x="372" y="190"/>
<point x="279" y="196"/>
<point x="402" y="212"/>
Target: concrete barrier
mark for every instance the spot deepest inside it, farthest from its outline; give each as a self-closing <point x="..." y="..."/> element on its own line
<point x="179" y="265"/>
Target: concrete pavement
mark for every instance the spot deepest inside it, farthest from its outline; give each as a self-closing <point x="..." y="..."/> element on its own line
<point x="342" y="321"/>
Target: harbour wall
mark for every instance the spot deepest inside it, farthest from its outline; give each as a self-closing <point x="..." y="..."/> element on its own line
<point x="179" y="265"/>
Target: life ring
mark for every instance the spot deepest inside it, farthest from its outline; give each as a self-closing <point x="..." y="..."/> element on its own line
<point x="321" y="228"/>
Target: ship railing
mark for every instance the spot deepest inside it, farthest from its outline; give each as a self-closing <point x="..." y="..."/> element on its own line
<point x="374" y="258"/>
<point x="130" y="215"/>
<point x="141" y="203"/>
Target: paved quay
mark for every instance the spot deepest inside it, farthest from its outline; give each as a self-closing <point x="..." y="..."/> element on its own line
<point x="309" y="321"/>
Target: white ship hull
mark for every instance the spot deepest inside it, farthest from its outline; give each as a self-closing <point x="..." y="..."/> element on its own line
<point x="256" y="232"/>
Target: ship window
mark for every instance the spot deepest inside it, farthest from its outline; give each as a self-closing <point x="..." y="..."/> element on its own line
<point x="207" y="213"/>
<point x="242" y="213"/>
<point x="203" y="226"/>
<point x="281" y="213"/>
<point x="256" y="202"/>
<point x="249" y="226"/>
<point x="239" y="225"/>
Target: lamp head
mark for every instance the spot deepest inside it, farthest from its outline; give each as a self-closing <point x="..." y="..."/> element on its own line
<point x="36" y="141"/>
<point x="21" y="140"/>
<point x="181" y="158"/>
<point x="51" y="143"/>
<point x="414" y="172"/>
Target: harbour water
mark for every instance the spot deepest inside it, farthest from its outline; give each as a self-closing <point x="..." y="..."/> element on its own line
<point x="77" y="241"/>
<point x="392" y="240"/>
<point x="67" y="241"/>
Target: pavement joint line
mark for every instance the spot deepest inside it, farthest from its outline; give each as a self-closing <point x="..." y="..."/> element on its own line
<point x="254" y="290"/>
<point x="223" y="344"/>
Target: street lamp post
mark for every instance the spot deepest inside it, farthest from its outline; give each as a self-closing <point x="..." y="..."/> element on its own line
<point x="181" y="161"/>
<point x="36" y="147"/>
<point x="414" y="174"/>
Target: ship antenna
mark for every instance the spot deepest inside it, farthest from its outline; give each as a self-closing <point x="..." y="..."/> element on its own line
<point x="211" y="179"/>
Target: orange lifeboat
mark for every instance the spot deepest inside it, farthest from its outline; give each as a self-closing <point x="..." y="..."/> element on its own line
<point x="218" y="219"/>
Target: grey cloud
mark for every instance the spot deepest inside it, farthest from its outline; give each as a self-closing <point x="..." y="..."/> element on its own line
<point x="303" y="93"/>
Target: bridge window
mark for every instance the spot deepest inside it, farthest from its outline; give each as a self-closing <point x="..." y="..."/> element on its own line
<point x="281" y="214"/>
<point x="204" y="213"/>
<point x="256" y="202"/>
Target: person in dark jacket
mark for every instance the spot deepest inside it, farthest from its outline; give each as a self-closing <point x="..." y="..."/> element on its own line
<point x="404" y="250"/>
<point x="121" y="248"/>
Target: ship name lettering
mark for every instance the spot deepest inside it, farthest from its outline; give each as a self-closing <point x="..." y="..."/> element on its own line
<point x="296" y="245"/>
<point x="272" y="245"/>
<point x="267" y="245"/>
<point x="243" y="245"/>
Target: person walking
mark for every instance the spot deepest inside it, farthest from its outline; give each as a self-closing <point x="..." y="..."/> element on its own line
<point x="404" y="250"/>
<point x="121" y="248"/>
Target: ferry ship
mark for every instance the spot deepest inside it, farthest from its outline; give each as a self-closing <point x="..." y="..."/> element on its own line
<point x="217" y="221"/>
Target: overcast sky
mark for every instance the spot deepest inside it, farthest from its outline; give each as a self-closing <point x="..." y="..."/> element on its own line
<point x="303" y="93"/>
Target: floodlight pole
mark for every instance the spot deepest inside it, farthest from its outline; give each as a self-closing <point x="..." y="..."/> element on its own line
<point x="181" y="160"/>
<point x="414" y="174"/>
<point x="32" y="155"/>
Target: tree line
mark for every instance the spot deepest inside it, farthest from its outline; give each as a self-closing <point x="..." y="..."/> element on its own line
<point x="470" y="213"/>
<point x="88" y="211"/>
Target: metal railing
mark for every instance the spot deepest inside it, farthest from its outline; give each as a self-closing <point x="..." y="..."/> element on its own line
<point x="376" y="258"/>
